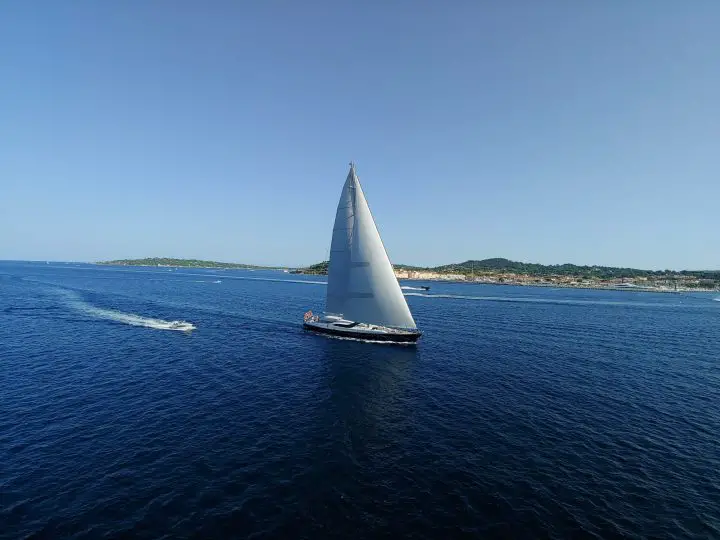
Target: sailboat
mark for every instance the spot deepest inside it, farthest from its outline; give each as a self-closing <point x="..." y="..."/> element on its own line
<point x="364" y="300"/>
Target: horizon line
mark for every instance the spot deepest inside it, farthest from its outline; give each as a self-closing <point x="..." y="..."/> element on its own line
<point x="393" y="264"/>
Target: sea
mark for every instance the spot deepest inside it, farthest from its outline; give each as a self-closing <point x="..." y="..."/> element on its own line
<point x="522" y="412"/>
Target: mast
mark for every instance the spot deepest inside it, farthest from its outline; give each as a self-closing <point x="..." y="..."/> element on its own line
<point x="361" y="282"/>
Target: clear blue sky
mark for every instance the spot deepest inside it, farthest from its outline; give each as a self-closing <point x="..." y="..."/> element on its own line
<point x="556" y="131"/>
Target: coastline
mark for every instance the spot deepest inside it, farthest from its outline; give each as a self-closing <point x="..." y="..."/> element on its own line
<point x="177" y="267"/>
<point x="593" y="287"/>
<point x="635" y="289"/>
<point x="657" y="284"/>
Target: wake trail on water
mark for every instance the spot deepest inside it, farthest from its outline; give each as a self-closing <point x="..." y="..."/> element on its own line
<point x="131" y="319"/>
<point x="276" y="280"/>
<point x="223" y="276"/>
<point x="543" y="300"/>
<point x="408" y="288"/>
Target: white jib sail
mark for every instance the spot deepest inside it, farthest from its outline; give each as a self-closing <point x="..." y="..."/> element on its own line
<point x="361" y="283"/>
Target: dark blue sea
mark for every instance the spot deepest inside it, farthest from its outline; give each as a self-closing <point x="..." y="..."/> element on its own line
<point x="522" y="412"/>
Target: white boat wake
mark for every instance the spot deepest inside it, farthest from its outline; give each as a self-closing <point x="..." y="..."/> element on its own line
<point x="408" y="288"/>
<point x="127" y="318"/>
<point x="373" y="341"/>
<point x="245" y="278"/>
<point x="562" y="301"/>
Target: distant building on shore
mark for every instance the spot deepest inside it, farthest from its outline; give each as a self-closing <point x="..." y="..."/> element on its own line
<point x="420" y="274"/>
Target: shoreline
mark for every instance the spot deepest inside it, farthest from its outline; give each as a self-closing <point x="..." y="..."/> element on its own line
<point x="592" y="287"/>
<point x="564" y="286"/>
<point x="637" y="289"/>
<point x="171" y="266"/>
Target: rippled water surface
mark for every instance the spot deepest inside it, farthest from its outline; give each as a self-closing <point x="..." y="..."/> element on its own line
<point x="523" y="412"/>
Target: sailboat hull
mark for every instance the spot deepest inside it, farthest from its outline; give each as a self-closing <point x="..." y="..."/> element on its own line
<point x="364" y="332"/>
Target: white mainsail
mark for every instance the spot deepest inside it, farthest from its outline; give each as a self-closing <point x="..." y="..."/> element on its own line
<point x="361" y="283"/>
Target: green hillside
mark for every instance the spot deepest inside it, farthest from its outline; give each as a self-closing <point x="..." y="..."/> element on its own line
<point x="181" y="263"/>
<point x="500" y="265"/>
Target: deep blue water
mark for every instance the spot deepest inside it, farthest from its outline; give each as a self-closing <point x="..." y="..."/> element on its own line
<point x="523" y="412"/>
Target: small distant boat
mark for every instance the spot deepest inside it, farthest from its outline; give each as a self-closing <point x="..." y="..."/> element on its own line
<point x="364" y="300"/>
<point x="424" y="287"/>
<point x="181" y="325"/>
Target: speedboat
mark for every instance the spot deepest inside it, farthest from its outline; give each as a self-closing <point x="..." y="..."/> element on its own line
<point x="181" y="325"/>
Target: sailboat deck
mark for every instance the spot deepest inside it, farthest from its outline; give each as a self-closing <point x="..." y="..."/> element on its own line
<point x="364" y="331"/>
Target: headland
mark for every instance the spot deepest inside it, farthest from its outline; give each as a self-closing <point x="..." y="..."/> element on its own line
<point x="506" y="272"/>
<point x="498" y="271"/>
